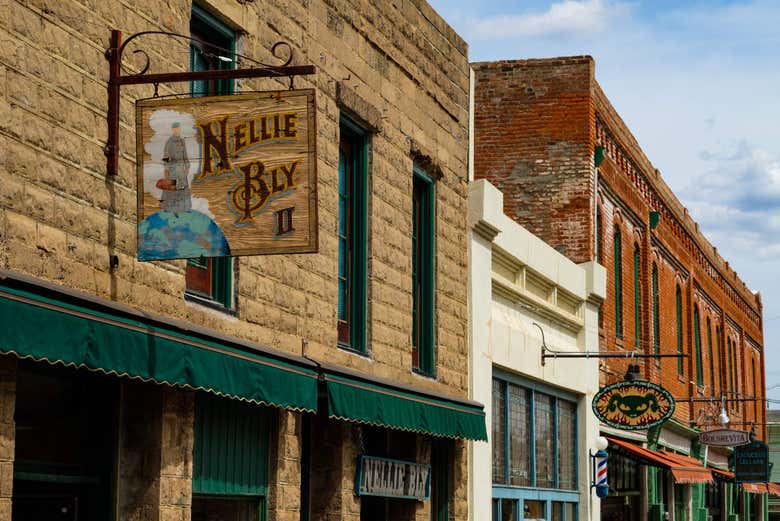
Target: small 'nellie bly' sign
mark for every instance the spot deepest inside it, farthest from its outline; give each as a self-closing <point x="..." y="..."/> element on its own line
<point x="393" y="478"/>
<point x="724" y="438"/>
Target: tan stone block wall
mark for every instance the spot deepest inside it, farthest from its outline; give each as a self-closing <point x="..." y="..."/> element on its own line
<point x="396" y="65"/>
<point x="7" y="433"/>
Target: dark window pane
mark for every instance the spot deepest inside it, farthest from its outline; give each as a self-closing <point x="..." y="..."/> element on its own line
<point x="499" y="433"/>
<point x="534" y="510"/>
<point x="519" y="428"/>
<point x="543" y="438"/>
<point x="567" y="439"/>
<point x="509" y="510"/>
<point x="557" y="511"/>
<point x="205" y="508"/>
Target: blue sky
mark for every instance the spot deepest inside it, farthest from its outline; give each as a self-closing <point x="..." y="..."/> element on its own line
<point x="698" y="83"/>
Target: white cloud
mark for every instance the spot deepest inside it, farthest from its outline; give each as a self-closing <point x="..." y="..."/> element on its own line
<point x="578" y="17"/>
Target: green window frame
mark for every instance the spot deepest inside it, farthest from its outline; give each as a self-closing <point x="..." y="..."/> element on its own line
<point x="679" y="310"/>
<point x="637" y="298"/>
<point x="697" y="346"/>
<point x="656" y="310"/>
<point x="717" y="351"/>
<point x="210" y="281"/>
<point x="352" y="237"/>
<point x="729" y="367"/>
<point x="520" y="480"/>
<point x="617" y="254"/>
<point x="423" y="273"/>
<point x="230" y="451"/>
<point x="712" y="354"/>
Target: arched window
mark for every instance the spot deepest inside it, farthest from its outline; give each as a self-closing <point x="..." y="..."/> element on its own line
<point x="637" y="299"/>
<point x="730" y="367"/>
<point x="717" y="351"/>
<point x="678" y="306"/>
<point x="656" y="323"/>
<point x="618" y="265"/>
<point x="755" y="388"/>
<point x="712" y="357"/>
<point x="697" y="346"/>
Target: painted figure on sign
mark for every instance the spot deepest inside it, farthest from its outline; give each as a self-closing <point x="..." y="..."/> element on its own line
<point x="175" y="185"/>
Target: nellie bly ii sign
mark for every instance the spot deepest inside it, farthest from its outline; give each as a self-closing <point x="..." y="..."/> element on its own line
<point x="393" y="478"/>
<point x="227" y="175"/>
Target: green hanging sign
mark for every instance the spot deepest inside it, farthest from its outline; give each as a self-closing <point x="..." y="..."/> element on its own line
<point x="633" y="405"/>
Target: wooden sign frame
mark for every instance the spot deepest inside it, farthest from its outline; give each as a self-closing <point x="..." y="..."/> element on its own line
<point x="255" y="177"/>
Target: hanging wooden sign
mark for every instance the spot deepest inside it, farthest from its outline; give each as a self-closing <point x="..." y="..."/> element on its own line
<point x="633" y="405"/>
<point x="724" y="438"/>
<point x="227" y="175"/>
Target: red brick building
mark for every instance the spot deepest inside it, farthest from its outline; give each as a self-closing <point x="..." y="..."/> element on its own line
<point x="572" y="173"/>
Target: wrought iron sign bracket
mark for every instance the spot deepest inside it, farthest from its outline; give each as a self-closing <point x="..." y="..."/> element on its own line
<point x="116" y="79"/>
<point x="550" y="353"/>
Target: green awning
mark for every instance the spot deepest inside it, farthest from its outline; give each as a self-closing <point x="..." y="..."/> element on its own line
<point x="360" y="398"/>
<point x="43" y="322"/>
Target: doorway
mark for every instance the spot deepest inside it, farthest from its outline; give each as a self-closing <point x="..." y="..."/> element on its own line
<point x="65" y="444"/>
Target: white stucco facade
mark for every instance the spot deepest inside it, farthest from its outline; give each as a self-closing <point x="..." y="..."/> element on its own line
<point x="517" y="280"/>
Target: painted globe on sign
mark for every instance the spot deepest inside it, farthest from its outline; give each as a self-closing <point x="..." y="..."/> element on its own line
<point x="169" y="235"/>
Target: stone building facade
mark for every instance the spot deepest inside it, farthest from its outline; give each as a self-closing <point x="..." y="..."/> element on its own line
<point x="573" y="174"/>
<point x="393" y="73"/>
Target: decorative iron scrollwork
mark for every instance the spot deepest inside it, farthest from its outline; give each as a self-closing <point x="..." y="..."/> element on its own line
<point x="277" y="50"/>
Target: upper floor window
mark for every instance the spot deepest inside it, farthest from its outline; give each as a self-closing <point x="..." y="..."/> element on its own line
<point x="637" y="298"/>
<point x="210" y="281"/>
<point x="712" y="356"/>
<point x="679" y="312"/>
<point x="618" y="275"/>
<point x="656" y="310"/>
<point x="697" y="346"/>
<point x="423" y="269"/>
<point x="352" y="236"/>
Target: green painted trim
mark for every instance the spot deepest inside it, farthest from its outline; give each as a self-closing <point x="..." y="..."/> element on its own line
<point x="712" y="354"/>
<point x="358" y="238"/>
<point x="40" y="325"/>
<point x="204" y="22"/>
<point x="598" y="155"/>
<point x="424" y="246"/>
<point x="352" y="399"/>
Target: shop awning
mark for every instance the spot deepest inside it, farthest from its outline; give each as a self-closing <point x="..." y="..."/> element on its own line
<point x="360" y="398"/>
<point x="773" y="489"/>
<point x="48" y="323"/>
<point x="684" y="469"/>
<point x="722" y="474"/>
<point x="754" y="488"/>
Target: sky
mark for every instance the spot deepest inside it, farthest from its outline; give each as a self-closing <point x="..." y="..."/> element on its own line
<point x="698" y="83"/>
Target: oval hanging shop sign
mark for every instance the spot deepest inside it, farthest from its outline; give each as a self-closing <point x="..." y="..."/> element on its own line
<point x="633" y="405"/>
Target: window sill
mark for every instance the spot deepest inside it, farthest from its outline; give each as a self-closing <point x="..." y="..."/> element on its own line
<point x="418" y="372"/>
<point x="209" y="303"/>
<point x="352" y="350"/>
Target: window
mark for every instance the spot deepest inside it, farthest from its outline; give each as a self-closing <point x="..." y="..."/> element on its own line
<point x="423" y="269"/>
<point x="697" y="346"/>
<point x="679" y="310"/>
<point x="352" y="236"/>
<point x="597" y="233"/>
<point x="720" y="364"/>
<point x="230" y="459"/>
<point x="755" y="388"/>
<point x="712" y="356"/>
<point x="534" y="443"/>
<point x="210" y="281"/>
<point x="637" y="299"/>
<point x="656" y="309"/>
<point x="618" y="265"/>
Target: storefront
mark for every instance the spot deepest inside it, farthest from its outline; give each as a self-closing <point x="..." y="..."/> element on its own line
<point x="119" y="413"/>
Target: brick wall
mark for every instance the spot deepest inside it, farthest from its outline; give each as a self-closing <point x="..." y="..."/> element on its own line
<point x="533" y="141"/>
<point x="537" y="125"/>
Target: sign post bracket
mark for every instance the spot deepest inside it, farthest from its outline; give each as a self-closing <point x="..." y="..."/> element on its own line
<point x="116" y="79"/>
